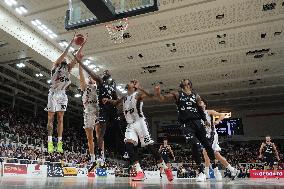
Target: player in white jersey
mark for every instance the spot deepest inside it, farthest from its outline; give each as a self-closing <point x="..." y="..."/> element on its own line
<point x="212" y="135"/>
<point x="137" y="128"/>
<point x="57" y="98"/>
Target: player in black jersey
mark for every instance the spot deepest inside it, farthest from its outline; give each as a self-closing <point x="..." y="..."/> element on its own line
<point x="108" y="114"/>
<point x="269" y="154"/>
<point x="190" y="114"/>
<point x="167" y="154"/>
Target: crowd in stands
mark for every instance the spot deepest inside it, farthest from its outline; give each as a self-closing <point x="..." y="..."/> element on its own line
<point x="24" y="137"/>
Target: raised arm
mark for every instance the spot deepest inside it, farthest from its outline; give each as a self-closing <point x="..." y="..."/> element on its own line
<point x="95" y="77"/>
<point x="113" y="102"/>
<point x="276" y="152"/>
<point x="160" y="149"/>
<point x="82" y="79"/>
<point x="64" y="54"/>
<point x="79" y="55"/>
<point x="215" y="113"/>
<point x="171" y="97"/>
<point x="142" y="93"/>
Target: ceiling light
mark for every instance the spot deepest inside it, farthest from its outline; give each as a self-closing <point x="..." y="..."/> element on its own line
<point x="18" y="10"/>
<point x="71" y="49"/>
<point x="20" y="65"/>
<point x="96" y="69"/>
<point x="38" y="22"/>
<point x="40" y="28"/>
<point x="11" y="2"/>
<point x="45" y="32"/>
<point x="77" y="95"/>
<point x="48" y="81"/>
<point x="92" y="66"/>
<point x="40" y="75"/>
<point x="54" y="35"/>
<point x="49" y="31"/>
<point x="21" y="10"/>
<point x="86" y="62"/>
<point x="44" y="26"/>
<point x="34" y="23"/>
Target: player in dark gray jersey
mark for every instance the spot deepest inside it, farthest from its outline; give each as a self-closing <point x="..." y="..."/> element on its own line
<point x="190" y="114"/>
<point x="269" y="154"/>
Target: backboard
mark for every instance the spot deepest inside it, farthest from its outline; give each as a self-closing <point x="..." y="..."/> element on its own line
<point x="83" y="13"/>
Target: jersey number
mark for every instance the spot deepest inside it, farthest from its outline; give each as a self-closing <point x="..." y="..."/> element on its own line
<point x="129" y="111"/>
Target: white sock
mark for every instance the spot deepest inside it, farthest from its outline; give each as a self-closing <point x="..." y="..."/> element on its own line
<point x="206" y="170"/>
<point x="162" y="165"/>
<point x="49" y="138"/>
<point x="59" y="139"/>
<point x="138" y="167"/>
<point x="230" y="168"/>
<point x="93" y="157"/>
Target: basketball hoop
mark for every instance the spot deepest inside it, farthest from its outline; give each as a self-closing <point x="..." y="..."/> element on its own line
<point x="116" y="30"/>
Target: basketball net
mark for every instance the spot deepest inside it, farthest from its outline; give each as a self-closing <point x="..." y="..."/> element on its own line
<point x="116" y="30"/>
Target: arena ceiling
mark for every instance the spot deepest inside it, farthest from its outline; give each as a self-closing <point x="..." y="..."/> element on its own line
<point x="233" y="51"/>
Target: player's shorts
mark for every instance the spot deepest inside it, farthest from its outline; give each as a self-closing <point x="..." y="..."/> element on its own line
<point x="107" y="114"/>
<point x="166" y="159"/>
<point x="215" y="144"/>
<point x="138" y="131"/>
<point x="213" y="138"/>
<point x="57" y="101"/>
<point x="269" y="161"/>
<point x="90" y="120"/>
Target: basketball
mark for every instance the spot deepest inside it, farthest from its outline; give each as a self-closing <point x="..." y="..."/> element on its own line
<point x="79" y="39"/>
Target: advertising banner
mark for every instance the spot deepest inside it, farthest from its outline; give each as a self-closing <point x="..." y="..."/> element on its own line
<point x="70" y="171"/>
<point x="82" y="172"/>
<point x="35" y="170"/>
<point x="55" y="170"/>
<point x="11" y="169"/>
<point x="268" y="173"/>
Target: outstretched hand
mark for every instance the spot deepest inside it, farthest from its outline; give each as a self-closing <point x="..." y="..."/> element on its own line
<point x="105" y="100"/>
<point x="74" y="36"/>
<point x="157" y="89"/>
<point x="136" y="84"/>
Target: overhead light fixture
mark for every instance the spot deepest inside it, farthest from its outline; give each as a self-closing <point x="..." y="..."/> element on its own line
<point x="77" y="95"/>
<point x="96" y="69"/>
<point x="21" y="10"/>
<point x="44" y="28"/>
<point x="48" y="81"/>
<point x="39" y="75"/>
<point x="11" y="2"/>
<point x="71" y="49"/>
<point x="63" y="43"/>
<point x="86" y="62"/>
<point x="20" y="65"/>
<point x="92" y="66"/>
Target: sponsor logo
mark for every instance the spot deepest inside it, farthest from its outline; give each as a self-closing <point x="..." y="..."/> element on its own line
<point x="70" y="171"/>
<point x="15" y="169"/>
